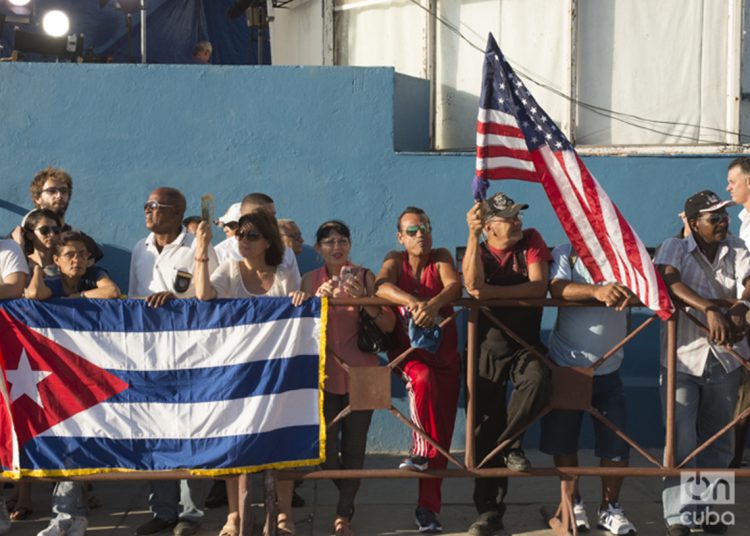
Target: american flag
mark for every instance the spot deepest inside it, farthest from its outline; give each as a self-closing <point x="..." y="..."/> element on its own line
<point x="516" y="139"/>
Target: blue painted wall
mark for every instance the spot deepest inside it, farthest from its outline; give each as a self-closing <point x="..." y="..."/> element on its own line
<point x="321" y="141"/>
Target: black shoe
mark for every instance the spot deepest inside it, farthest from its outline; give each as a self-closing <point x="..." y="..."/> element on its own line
<point x="218" y="495"/>
<point x="154" y="525"/>
<point x="297" y="500"/>
<point x="427" y="521"/>
<point x="488" y="524"/>
<point x="714" y="528"/>
<point x="185" y="528"/>
<point x="678" y="530"/>
<point x="516" y="460"/>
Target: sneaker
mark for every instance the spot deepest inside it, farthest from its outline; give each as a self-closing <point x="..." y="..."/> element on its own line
<point x="77" y="526"/>
<point x="488" y="524"/>
<point x="54" y="528"/>
<point x="678" y="530"/>
<point x="516" y="460"/>
<point x="414" y="463"/>
<point x="580" y="515"/>
<point x="4" y="518"/>
<point x="614" y="520"/>
<point x="154" y="525"/>
<point x="427" y="521"/>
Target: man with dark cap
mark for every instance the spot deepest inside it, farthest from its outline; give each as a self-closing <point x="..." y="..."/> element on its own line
<point x="511" y="263"/>
<point x="708" y="264"/>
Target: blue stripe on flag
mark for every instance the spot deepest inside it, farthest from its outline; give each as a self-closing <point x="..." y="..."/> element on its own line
<point x="285" y="444"/>
<point x="218" y="383"/>
<point x="134" y="316"/>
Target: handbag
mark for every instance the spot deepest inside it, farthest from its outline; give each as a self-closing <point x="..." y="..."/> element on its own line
<point x="371" y="338"/>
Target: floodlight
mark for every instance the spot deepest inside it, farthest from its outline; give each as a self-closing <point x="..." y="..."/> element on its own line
<point x="19" y="3"/>
<point x="56" y="23"/>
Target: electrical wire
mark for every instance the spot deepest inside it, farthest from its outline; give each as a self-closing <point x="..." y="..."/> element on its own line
<point x="626" y="118"/>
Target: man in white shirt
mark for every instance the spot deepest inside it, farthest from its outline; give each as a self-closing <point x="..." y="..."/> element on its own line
<point x="13" y="274"/>
<point x="258" y="201"/>
<point x="229" y="223"/>
<point x="706" y="265"/>
<point x="738" y="186"/>
<point x="161" y="269"/>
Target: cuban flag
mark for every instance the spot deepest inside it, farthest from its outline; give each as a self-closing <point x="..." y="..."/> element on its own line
<point x="215" y="388"/>
<point x="516" y="139"/>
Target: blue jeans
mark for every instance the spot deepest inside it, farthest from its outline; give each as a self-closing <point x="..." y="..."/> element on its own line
<point x="703" y="405"/>
<point x="68" y="499"/>
<point x="167" y="496"/>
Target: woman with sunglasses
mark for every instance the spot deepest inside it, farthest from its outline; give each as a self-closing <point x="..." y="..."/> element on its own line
<point x="76" y="278"/>
<point x="259" y="273"/>
<point x="423" y="282"/>
<point x="339" y="278"/>
<point x="40" y="227"/>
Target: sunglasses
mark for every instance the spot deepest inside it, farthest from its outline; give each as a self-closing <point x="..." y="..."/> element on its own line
<point x="331" y="242"/>
<point x="412" y="230"/>
<point x="46" y="230"/>
<point x="53" y="191"/>
<point x="69" y="255"/>
<point x="715" y="218"/>
<point x="250" y="236"/>
<point x="155" y="205"/>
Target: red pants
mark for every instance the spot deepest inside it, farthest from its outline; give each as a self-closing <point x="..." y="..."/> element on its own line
<point x="433" y="399"/>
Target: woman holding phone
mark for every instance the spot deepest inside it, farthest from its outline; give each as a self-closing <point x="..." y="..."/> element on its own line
<point x="339" y="278"/>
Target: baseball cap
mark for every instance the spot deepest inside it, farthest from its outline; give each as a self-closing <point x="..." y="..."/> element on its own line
<point x="502" y="206"/>
<point x="232" y="215"/>
<point x="702" y="202"/>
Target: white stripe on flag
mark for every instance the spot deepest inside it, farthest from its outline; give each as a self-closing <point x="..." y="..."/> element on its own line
<point x="488" y="115"/>
<point x="490" y="140"/>
<point x="579" y="217"/>
<point x="505" y="162"/>
<point x="164" y="350"/>
<point x="192" y="421"/>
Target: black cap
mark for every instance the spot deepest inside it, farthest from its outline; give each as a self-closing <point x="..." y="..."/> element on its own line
<point x="702" y="202"/>
<point x="502" y="206"/>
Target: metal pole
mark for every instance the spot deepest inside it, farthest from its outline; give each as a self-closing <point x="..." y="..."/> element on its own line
<point x="143" y="31"/>
<point x="471" y="351"/>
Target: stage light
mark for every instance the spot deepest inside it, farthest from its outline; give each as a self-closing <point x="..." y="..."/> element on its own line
<point x="19" y="3"/>
<point x="56" y="23"/>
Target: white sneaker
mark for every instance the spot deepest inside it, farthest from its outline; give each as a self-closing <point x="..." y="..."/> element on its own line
<point x="77" y="527"/>
<point x="4" y="518"/>
<point x="53" y="529"/>
<point x="581" y="517"/>
<point x="613" y="519"/>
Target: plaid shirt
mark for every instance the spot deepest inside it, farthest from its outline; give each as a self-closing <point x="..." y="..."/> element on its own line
<point x="731" y="267"/>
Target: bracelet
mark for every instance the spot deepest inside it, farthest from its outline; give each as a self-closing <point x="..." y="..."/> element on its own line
<point x="201" y="259"/>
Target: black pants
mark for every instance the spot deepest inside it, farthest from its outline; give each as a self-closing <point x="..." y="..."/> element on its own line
<point x="346" y="451"/>
<point x="496" y="421"/>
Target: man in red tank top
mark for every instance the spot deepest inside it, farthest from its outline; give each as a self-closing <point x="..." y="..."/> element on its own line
<point x="510" y="263"/>
<point x="423" y="282"/>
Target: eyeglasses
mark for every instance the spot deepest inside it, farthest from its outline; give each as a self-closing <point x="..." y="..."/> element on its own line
<point x="716" y="218"/>
<point x="331" y="242"/>
<point x="412" y="230"/>
<point x="250" y="236"/>
<point x="69" y="255"/>
<point x="52" y="191"/>
<point x="46" y="230"/>
<point x="155" y="205"/>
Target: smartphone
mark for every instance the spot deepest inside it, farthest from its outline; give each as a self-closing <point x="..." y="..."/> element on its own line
<point x="207" y="208"/>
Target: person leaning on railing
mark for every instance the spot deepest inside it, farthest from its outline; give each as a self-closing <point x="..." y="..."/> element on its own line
<point x="512" y="263"/>
<point x="708" y="264"/>
<point x="339" y="278"/>
<point x="423" y="282"/>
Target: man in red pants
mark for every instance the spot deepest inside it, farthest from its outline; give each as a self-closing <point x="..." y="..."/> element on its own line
<point x="423" y="282"/>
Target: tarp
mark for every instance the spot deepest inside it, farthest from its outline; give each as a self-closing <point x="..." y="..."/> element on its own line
<point x="173" y="28"/>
